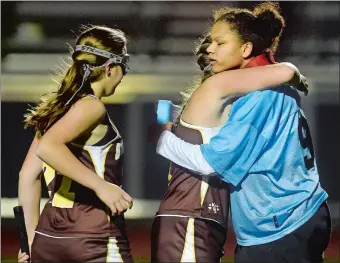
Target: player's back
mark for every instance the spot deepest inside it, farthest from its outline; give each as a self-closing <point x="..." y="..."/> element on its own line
<point x="74" y="210"/>
<point x="281" y="190"/>
<point x="192" y="195"/>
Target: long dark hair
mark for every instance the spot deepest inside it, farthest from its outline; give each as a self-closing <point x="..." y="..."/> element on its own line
<point x="52" y="106"/>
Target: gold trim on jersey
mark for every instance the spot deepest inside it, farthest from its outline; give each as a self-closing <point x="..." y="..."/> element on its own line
<point x="100" y="171"/>
<point x="189" y="254"/>
<point x="61" y="198"/>
<point x="113" y="254"/>
<point x="49" y="173"/>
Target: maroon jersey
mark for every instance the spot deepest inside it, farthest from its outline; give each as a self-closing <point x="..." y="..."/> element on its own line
<point x="194" y="195"/>
<point x="74" y="210"/>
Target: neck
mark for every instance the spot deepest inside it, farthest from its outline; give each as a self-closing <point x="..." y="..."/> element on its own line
<point x="246" y="62"/>
<point x="98" y="90"/>
<point x="265" y="58"/>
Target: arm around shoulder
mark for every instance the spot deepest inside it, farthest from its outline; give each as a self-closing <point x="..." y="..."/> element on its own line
<point x="235" y="83"/>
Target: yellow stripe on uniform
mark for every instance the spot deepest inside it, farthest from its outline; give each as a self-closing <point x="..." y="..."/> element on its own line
<point x="113" y="254"/>
<point x="49" y="173"/>
<point x="169" y="174"/>
<point x="188" y="254"/>
<point x="100" y="169"/>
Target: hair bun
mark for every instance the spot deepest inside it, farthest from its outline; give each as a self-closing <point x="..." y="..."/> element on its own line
<point x="269" y="16"/>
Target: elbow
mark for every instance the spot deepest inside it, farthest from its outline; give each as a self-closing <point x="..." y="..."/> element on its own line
<point x="39" y="151"/>
<point x="42" y="148"/>
<point x="293" y="74"/>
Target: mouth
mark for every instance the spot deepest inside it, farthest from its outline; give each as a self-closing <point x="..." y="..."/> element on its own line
<point x="212" y="61"/>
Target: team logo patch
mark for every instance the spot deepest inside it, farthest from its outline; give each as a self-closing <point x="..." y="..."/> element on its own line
<point x="214" y="207"/>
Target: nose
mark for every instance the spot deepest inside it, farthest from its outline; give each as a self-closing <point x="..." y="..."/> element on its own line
<point x="211" y="48"/>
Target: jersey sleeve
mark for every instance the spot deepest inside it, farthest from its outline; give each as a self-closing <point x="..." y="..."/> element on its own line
<point x="233" y="151"/>
<point x="183" y="153"/>
<point x="237" y="146"/>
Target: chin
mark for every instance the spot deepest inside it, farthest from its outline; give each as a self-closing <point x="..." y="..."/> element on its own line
<point x="221" y="69"/>
<point x="112" y="92"/>
<point x="215" y="68"/>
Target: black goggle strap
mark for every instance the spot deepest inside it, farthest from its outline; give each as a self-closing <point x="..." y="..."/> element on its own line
<point x="86" y="73"/>
<point x="87" y="68"/>
<point x="113" y="58"/>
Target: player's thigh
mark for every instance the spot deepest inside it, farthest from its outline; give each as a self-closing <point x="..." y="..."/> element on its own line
<point x="87" y="249"/>
<point x="112" y="249"/>
<point x="210" y="238"/>
<point x="182" y="239"/>
<point x="49" y="249"/>
<point x="167" y="238"/>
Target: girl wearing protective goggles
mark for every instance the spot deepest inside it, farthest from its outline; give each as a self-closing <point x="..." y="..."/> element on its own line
<point x="79" y="150"/>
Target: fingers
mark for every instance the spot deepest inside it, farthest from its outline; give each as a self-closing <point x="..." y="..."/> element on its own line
<point x="22" y="257"/>
<point x="168" y="126"/>
<point x="129" y="199"/>
<point x="113" y="209"/>
<point x="124" y="204"/>
<point x="304" y="83"/>
<point x="119" y="207"/>
<point x="117" y="200"/>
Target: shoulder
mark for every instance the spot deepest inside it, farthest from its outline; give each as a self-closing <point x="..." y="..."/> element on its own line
<point x="227" y="84"/>
<point x="89" y="106"/>
<point x="86" y="111"/>
<point x="218" y="85"/>
<point x="217" y="81"/>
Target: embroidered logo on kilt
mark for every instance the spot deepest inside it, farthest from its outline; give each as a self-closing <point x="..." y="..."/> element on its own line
<point x="214" y="207"/>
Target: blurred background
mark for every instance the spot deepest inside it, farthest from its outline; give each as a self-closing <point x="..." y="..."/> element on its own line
<point x="162" y="37"/>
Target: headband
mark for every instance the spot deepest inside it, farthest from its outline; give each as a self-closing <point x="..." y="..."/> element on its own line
<point x="112" y="59"/>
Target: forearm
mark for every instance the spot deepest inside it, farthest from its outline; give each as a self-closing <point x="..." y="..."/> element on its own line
<point x="252" y="79"/>
<point x="258" y="78"/>
<point x="58" y="156"/>
<point x="29" y="196"/>
<point x="296" y="78"/>
<point x="182" y="153"/>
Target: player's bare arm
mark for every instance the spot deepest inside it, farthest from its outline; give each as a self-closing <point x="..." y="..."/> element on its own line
<point x="234" y="83"/>
<point x="82" y="118"/>
<point x="29" y="192"/>
<point x="216" y="93"/>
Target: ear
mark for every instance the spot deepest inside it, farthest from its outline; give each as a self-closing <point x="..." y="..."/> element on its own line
<point x="108" y="70"/>
<point x="247" y="49"/>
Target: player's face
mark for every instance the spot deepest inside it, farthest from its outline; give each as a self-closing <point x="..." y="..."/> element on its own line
<point x="115" y="77"/>
<point x="225" y="50"/>
<point x="114" y="80"/>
